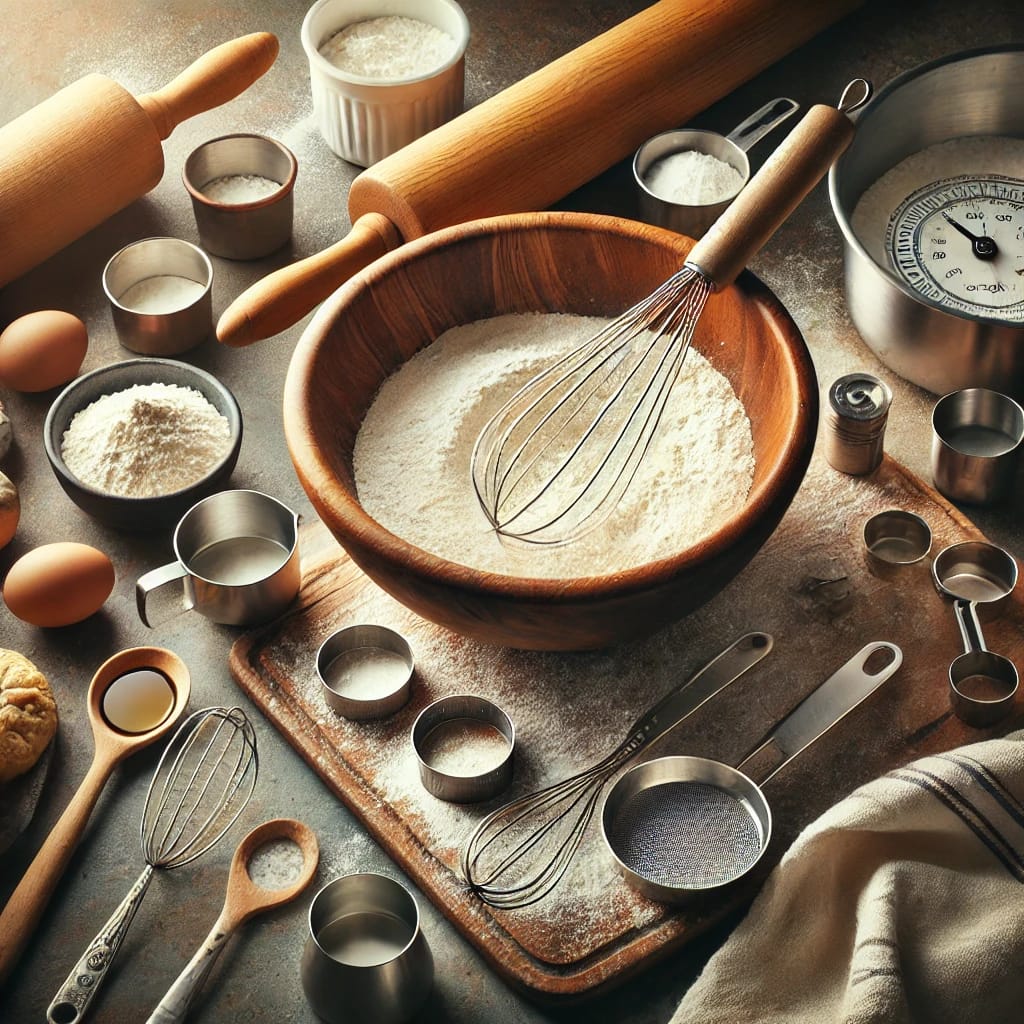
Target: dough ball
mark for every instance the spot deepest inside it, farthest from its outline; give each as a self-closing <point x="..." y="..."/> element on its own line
<point x="28" y="714"/>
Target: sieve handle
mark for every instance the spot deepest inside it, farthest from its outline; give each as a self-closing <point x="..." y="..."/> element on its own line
<point x="686" y="698"/>
<point x="821" y="709"/>
<point x="795" y="167"/>
<point x="87" y="976"/>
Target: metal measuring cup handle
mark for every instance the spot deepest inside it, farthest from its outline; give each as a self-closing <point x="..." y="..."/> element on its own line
<point x="977" y="660"/>
<point x="753" y="129"/>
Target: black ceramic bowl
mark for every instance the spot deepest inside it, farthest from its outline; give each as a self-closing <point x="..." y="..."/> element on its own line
<point x="153" y="513"/>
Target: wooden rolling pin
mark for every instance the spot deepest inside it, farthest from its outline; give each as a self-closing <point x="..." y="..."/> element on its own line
<point x="93" y="148"/>
<point x="541" y="138"/>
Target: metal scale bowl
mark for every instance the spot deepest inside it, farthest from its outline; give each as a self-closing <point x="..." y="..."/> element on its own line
<point x="921" y="330"/>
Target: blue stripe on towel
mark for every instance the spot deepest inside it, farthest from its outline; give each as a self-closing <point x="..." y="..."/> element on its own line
<point x="991" y="783"/>
<point x="959" y="804"/>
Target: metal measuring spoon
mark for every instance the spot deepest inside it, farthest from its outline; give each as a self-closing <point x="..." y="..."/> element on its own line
<point x="245" y="898"/>
<point x="112" y="746"/>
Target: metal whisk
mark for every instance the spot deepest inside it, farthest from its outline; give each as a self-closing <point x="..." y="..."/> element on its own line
<point x="201" y="785"/>
<point x="520" y="852"/>
<point x="555" y="460"/>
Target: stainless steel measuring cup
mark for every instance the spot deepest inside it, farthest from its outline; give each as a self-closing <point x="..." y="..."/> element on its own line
<point x="237" y="555"/>
<point x="982" y="685"/>
<point x="366" y="958"/>
<point x="978" y="577"/>
<point x="679" y="826"/>
<point x="976" y="443"/>
<point x="694" y="220"/>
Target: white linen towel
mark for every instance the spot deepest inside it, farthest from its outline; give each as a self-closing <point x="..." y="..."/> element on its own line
<point x="903" y="903"/>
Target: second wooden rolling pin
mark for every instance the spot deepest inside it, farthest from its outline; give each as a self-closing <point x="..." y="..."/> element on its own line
<point x="536" y="141"/>
<point x="88" y="151"/>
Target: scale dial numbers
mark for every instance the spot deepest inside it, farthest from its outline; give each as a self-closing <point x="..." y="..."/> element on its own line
<point x="959" y="243"/>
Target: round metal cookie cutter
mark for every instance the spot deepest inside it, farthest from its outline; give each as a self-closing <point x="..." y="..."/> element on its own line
<point x="365" y="671"/>
<point x="895" y="539"/>
<point x="444" y="736"/>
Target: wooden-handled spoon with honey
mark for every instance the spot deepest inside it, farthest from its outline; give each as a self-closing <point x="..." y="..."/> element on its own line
<point x="135" y="698"/>
<point x="246" y="897"/>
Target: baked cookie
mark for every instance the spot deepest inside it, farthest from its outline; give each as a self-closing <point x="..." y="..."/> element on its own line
<point x="28" y="714"/>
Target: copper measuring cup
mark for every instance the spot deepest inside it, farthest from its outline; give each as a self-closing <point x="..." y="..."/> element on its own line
<point x="112" y="745"/>
<point x="245" y="898"/>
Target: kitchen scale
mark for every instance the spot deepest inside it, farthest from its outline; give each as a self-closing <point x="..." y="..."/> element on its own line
<point x="959" y="244"/>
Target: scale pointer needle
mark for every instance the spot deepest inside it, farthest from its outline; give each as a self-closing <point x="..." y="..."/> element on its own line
<point x="983" y="247"/>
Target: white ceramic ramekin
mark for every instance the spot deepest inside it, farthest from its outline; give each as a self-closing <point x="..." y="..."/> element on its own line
<point x="364" y="119"/>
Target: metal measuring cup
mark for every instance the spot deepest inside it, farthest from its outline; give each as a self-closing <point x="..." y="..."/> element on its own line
<point x="694" y="220"/>
<point x="976" y="443"/>
<point x="982" y="685"/>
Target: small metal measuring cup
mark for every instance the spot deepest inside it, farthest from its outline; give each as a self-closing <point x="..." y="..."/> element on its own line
<point x="237" y="555"/>
<point x="694" y="220"/>
<point x="245" y="229"/>
<point x="976" y="442"/>
<point x="982" y="685"/>
<point x="366" y="958"/>
<point x="171" y="328"/>
<point x="895" y="539"/>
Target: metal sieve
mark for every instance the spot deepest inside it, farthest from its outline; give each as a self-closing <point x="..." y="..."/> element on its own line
<point x="677" y="826"/>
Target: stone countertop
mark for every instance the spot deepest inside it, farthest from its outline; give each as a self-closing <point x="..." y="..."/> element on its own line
<point x="49" y="44"/>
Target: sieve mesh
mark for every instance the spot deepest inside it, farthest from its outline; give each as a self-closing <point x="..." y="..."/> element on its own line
<point x="686" y="834"/>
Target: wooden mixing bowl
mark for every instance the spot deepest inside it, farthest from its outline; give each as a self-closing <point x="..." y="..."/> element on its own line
<point x="551" y="262"/>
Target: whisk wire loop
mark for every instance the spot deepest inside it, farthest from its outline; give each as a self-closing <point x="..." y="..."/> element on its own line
<point x="559" y="455"/>
<point x="201" y="785"/>
<point x="564" y="810"/>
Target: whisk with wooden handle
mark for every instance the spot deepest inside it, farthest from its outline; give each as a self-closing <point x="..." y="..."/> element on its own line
<point x="202" y="783"/>
<point x="558" y="456"/>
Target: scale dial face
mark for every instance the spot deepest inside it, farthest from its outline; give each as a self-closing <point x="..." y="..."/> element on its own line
<point x="959" y="243"/>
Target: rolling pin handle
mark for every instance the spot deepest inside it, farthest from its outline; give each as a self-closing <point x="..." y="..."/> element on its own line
<point x="282" y="299"/>
<point x="220" y="75"/>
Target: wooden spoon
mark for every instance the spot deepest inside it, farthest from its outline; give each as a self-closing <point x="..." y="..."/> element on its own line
<point x="112" y="746"/>
<point x="244" y="899"/>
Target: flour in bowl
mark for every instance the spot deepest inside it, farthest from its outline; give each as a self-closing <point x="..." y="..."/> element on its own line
<point x="412" y="453"/>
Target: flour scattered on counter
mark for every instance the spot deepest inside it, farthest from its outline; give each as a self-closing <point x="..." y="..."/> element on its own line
<point x="426" y="417"/>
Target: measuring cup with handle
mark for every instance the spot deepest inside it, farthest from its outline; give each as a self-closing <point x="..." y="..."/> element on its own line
<point x="678" y="826"/>
<point x="694" y="219"/>
<point x="238" y="557"/>
<point x="978" y="577"/>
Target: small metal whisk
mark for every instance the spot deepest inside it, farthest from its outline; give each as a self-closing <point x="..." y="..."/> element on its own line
<point x="202" y="783"/>
<point x="520" y="852"/>
<point x="558" y="456"/>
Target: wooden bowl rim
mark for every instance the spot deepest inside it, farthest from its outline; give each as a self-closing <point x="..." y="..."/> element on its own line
<point x="338" y="509"/>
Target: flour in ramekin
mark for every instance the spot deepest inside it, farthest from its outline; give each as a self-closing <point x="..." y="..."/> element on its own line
<point x="412" y="453"/>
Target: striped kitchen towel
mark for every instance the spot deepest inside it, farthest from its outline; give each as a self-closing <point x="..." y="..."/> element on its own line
<point x="903" y="903"/>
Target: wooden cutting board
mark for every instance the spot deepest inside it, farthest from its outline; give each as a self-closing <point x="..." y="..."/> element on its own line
<point x="809" y="587"/>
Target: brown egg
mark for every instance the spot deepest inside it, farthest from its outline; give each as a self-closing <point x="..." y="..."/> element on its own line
<point x="58" y="584"/>
<point x="42" y="350"/>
